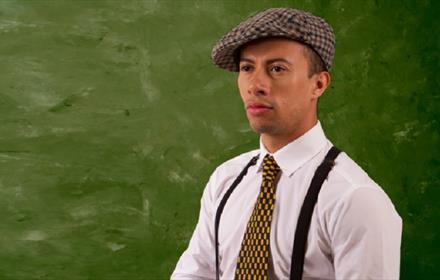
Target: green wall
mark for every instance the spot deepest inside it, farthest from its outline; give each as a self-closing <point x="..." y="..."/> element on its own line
<point x="113" y="117"/>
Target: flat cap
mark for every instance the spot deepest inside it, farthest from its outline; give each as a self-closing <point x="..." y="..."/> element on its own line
<point x="276" y="22"/>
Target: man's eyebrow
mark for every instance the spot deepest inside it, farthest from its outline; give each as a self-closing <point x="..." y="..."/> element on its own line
<point x="269" y="61"/>
<point x="278" y="59"/>
<point x="246" y="59"/>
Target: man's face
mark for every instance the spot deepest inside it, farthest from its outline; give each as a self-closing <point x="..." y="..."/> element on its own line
<point x="275" y="87"/>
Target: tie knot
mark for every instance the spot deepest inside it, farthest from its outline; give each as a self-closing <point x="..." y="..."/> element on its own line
<point x="270" y="168"/>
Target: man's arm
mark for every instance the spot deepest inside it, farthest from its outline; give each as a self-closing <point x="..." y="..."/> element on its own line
<point x="366" y="236"/>
<point x="198" y="261"/>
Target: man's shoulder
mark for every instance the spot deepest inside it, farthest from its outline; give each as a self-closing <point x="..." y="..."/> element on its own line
<point x="346" y="179"/>
<point x="227" y="171"/>
<point x="233" y="166"/>
<point x="349" y="173"/>
<point x="238" y="161"/>
<point x="350" y="193"/>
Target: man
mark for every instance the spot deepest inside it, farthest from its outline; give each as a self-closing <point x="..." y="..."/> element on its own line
<point x="251" y="222"/>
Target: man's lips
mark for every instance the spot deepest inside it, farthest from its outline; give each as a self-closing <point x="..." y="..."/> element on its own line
<point x="257" y="108"/>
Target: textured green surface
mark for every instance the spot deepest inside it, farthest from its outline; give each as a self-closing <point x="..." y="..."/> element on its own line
<point x="113" y="117"/>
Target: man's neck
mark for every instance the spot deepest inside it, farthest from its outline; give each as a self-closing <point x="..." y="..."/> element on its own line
<point x="273" y="143"/>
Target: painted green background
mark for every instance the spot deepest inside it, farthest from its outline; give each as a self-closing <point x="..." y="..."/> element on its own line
<point x="113" y="117"/>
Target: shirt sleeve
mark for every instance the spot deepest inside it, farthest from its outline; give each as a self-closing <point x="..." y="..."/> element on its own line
<point x="366" y="237"/>
<point x="198" y="260"/>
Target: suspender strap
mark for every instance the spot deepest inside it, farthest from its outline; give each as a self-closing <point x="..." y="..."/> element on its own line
<point x="305" y="216"/>
<point x="221" y="206"/>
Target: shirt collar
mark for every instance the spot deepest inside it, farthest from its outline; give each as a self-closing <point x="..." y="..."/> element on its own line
<point x="295" y="154"/>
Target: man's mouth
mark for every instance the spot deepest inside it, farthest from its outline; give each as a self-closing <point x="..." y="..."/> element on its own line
<point x="258" y="108"/>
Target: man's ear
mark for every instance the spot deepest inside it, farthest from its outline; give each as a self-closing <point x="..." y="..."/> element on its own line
<point x="320" y="83"/>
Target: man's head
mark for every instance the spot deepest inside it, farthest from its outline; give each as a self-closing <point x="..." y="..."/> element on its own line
<point x="280" y="86"/>
<point x="283" y="57"/>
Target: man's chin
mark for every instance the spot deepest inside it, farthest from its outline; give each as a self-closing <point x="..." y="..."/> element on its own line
<point x="262" y="128"/>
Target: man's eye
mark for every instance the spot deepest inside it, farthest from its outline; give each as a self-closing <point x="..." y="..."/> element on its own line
<point x="276" y="69"/>
<point x="245" y="68"/>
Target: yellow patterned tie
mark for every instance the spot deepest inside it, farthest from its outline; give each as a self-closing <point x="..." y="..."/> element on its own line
<point x="253" y="259"/>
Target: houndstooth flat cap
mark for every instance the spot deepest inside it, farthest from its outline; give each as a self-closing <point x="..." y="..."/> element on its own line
<point x="276" y="22"/>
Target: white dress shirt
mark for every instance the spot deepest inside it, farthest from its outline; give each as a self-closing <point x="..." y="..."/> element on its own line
<point x="355" y="231"/>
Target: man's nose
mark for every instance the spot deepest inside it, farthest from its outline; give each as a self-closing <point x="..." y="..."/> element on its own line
<point x="259" y="83"/>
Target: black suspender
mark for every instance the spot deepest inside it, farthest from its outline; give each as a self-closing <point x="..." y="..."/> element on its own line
<point x="305" y="215"/>
<point x="228" y="193"/>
